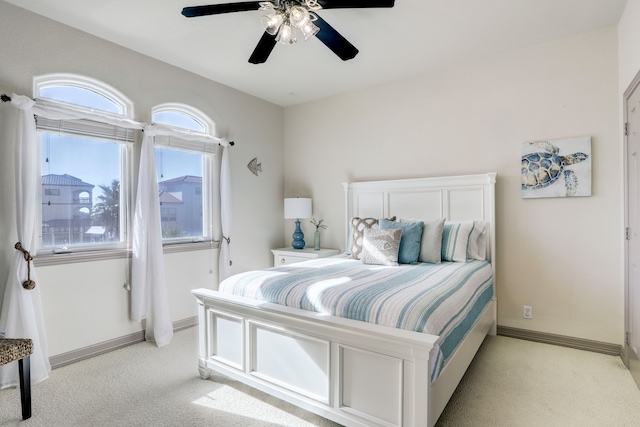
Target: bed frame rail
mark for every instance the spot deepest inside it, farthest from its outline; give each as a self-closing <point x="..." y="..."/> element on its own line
<point x="354" y="373"/>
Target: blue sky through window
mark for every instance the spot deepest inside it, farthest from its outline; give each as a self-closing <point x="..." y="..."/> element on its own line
<point x="178" y="119"/>
<point x="80" y="96"/>
<point x="94" y="162"/>
<point x="98" y="162"/>
<point x="72" y="157"/>
<point x="174" y="163"/>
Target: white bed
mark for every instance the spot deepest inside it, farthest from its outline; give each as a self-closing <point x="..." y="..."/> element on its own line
<point x="349" y="371"/>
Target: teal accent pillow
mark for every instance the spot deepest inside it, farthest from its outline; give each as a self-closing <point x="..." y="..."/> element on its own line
<point x="409" y="242"/>
<point x="431" y="246"/>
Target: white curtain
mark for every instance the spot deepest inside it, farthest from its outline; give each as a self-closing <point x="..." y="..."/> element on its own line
<point x="148" y="286"/>
<point x="224" y="262"/>
<point x="21" y="312"/>
<point x="21" y="315"/>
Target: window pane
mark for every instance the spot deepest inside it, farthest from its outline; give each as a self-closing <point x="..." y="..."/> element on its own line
<point x="178" y="119"/>
<point x="80" y="96"/>
<point x="80" y="191"/>
<point x="180" y="193"/>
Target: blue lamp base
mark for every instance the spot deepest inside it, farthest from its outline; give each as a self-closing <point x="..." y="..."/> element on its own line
<point x="298" y="237"/>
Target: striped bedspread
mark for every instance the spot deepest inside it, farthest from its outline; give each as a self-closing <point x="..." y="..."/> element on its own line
<point x="439" y="299"/>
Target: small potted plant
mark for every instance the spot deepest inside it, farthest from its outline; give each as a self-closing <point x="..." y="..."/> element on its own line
<point x="316" y="235"/>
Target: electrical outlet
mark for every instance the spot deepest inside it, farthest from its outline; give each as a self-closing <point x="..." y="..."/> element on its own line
<point x="527" y="313"/>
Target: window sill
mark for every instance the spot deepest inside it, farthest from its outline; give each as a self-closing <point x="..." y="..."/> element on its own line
<point x="44" y="260"/>
<point x="190" y="246"/>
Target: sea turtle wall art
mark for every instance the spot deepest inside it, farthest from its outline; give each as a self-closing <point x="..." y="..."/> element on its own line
<point x="556" y="168"/>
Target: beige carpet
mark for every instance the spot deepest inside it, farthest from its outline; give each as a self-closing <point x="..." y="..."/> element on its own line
<point x="520" y="383"/>
<point x="510" y="383"/>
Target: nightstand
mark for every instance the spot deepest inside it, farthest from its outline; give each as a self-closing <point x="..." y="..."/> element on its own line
<point x="285" y="256"/>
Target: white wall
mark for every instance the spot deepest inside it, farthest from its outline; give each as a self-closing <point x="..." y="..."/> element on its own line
<point x="628" y="42"/>
<point x="85" y="303"/>
<point x="561" y="256"/>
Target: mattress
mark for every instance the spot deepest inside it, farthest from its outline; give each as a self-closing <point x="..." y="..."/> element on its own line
<point x="440" y="299"/>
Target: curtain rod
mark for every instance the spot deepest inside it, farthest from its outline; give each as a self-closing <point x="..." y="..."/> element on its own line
<point x="5" y="98"/>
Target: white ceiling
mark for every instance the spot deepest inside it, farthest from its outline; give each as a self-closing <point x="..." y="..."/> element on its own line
<point x="411" y="38"/>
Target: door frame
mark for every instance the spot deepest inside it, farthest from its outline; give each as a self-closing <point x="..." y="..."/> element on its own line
<point x="635" y="84"/>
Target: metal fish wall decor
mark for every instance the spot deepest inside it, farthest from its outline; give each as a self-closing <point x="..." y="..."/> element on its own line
<point x="254" y="166"/>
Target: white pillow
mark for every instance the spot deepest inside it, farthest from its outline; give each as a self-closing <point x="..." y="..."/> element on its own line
<point x="479" y="249"/>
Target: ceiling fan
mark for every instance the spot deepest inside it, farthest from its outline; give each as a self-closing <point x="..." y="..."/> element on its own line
<point x="287" y="16"/>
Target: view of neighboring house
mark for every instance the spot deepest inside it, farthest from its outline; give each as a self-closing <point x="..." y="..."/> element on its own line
<point x="66" y="210"/>
<point x="67" y="204"/>
<point x="181" y="206"/>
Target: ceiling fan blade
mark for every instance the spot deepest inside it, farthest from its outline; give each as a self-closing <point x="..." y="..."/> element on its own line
<point x="215" y="9"/>
<point x="263" y="49"/>
<point x="340" y="4"/>
<point x="334" y="40"/>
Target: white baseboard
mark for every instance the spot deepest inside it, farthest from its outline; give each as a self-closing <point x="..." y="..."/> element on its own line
<point x="561" y="340"/>
<point x="73" y="356"/>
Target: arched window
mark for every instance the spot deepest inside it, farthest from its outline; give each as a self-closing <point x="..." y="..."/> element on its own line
<point x="84" y="92"/>
<point x="184" y="117"/>
<point x="83" y="165"/>
<point x="184" y="169"/>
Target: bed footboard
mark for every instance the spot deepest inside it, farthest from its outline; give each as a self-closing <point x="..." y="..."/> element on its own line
<point x="351" y="372"/>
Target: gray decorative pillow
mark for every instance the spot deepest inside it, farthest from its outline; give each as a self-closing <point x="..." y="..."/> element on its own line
<point x="358" y="225"/>
<point x="381" y="246"/>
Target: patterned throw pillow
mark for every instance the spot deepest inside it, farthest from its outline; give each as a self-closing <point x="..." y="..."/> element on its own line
<point x="358" y="225"/>
<point x="381" y="246"/>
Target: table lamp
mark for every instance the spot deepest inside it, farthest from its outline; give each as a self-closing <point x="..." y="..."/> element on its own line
<point x="297" y="208"/>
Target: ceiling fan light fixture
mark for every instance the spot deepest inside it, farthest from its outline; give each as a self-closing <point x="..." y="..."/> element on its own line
<point x="272" y="22"/>
<point x="266" y="5"/>
<point x="299" y="16"/>
<point x="290" y="15"/>
<point x="285" y="35"/>
<point x="312" y="4"/>
<point x="309" y="30"/>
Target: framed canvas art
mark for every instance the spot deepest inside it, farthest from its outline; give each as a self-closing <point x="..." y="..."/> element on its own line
<point x="556" y="168"/>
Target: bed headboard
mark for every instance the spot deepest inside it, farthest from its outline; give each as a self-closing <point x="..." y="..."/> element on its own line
<point x="456" y="198"/>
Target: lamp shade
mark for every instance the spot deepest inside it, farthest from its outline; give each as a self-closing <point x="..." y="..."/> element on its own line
<point x="297" y="208"/>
